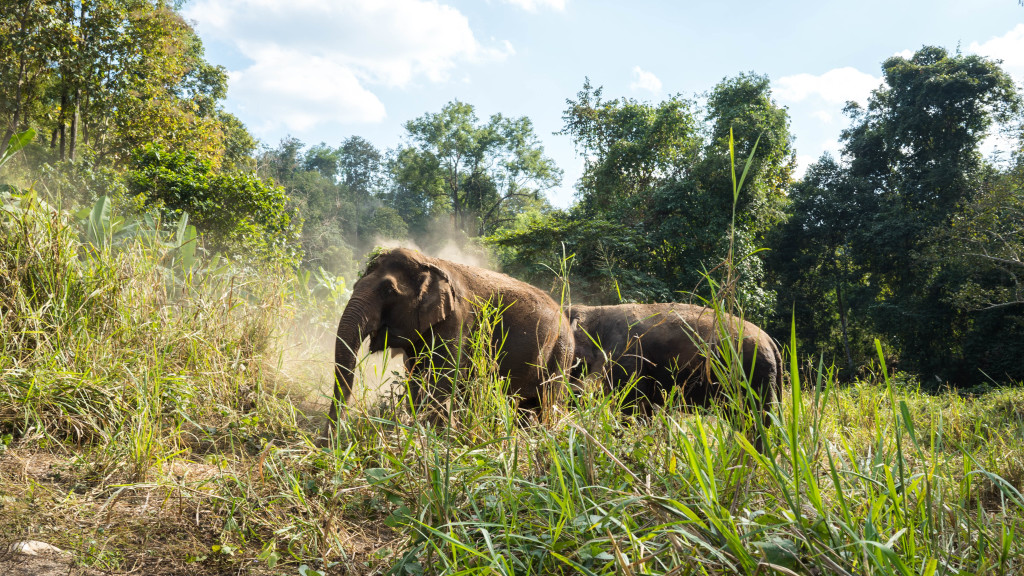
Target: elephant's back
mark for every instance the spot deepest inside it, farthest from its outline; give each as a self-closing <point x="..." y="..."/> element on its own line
<point x="674" y="322"/>
<point x="535" y="332"/>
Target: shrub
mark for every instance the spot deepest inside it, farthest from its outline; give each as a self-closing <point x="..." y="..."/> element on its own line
<point x="237" y="212"/>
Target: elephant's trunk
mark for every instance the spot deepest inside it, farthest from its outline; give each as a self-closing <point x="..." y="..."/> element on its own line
<point x="360" y="320"/>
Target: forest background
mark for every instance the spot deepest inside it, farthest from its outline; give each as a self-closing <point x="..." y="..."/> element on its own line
<point x="911" y="236"/>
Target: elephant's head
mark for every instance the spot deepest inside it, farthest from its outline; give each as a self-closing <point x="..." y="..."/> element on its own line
<point x="588" y="355"/>
<point x="401" y="298"/>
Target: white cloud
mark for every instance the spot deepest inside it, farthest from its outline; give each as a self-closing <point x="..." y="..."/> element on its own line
<point x="319" y="60"/>
<point x="837" y="86"/>
<point x="1009" y="48"/>
<point x="822" y="115"/>
<point x="535" y="5"/>
<point x="905" y="54"/>
<point x="298" y="91"/>
<point x="644" y="80"/>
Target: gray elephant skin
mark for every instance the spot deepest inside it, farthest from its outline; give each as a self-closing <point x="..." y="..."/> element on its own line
<point x="427" y="307"/>
<point x="660" y="344"/>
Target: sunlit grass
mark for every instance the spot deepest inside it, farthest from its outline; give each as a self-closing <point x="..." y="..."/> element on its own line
<point x="148" y="418"/>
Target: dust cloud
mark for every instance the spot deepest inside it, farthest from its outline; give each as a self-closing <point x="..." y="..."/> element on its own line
<point x="444" y="240"/>
<point x="306" y="365"/>
<point x="306" y="362"/>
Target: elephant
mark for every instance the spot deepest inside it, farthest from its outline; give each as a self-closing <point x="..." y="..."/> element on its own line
<point x="661" y="345"/>
<point x="427" y="307"/>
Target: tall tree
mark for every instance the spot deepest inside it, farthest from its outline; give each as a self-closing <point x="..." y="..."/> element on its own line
<point x="360" y="167"/>
<point x="872" y="243"/>
<point x="630" y="148"/>
<point x="26" y="50"/>
<point x="692" y="219"/>
<point x="916" y="150"/>
<point x="110" y="74"/>
<point x="484" y="172"/>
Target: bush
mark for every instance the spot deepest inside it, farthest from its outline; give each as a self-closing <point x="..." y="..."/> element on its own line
<point x="237" y="212"/>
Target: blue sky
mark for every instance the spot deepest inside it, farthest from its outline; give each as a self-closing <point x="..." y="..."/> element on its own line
<point x="324" y="70"/>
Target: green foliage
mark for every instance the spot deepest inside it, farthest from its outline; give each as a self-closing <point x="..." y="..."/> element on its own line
<point x="881" y="245"/>
<point x="629" y="146"/>
<point x="237" y="212"/>
<point x="815" y="270"/>
<point x="741" y="111"/>
<point x="338" y="194"/>
<point x="603" y="257"/>
<point x="19" y="141"/>
<point x="981" y="258"/>
<point x="239" y="145"/>
<point x="483" y="174"/>
<point x="108" y="77"/>
<point x="655" y="211"/>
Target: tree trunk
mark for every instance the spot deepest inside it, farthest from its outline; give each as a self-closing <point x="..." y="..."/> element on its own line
<point x="842" y="323"/>
<point x="13" y="127"/>
<point x="62" y="121"/>
<point x="74" y="126"/>
<point x="79" y="79"/>
<point x="85" y="131"/>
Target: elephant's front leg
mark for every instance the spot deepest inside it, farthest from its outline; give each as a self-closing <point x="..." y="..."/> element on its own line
<point x="432" y="373"/>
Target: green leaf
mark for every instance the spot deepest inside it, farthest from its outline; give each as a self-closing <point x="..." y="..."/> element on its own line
<point x="378" y="475"/>
<point x="780" y="552"/>
<point x="18" y="141"/>
<point x="269" y="555"/>
<point x="98" y="227"/>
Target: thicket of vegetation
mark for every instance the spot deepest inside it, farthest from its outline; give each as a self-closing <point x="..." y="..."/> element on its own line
<point x="154" y="417"/>
<point x="912" y="236"/>
<point x="169" y="290"/>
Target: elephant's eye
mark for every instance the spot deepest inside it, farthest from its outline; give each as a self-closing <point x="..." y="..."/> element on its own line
<point x="387" y="289"/>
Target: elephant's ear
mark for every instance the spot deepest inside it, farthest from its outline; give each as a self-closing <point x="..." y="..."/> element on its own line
<point x="437" y="298"/>
<point x="575" y="316"/>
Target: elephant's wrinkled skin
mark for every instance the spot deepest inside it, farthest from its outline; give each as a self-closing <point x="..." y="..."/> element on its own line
<point x="660" y="344"/>
<point x="419" y="304"/>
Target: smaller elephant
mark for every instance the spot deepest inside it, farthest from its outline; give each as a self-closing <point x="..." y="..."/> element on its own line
<point x="428" y="307"/>
<point x="662" y="345"/>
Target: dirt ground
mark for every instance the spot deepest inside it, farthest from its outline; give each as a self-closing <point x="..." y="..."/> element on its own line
<point x="52" y="496"/>
<point x="34" y="558"/>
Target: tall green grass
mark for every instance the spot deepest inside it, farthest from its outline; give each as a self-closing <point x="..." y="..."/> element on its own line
<point x="150" y="417"/>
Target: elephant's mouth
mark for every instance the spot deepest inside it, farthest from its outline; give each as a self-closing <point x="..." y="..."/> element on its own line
<point x="379" y="339"/>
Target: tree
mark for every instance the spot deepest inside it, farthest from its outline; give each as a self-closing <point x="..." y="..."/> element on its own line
<point x="692" y="217"/>
<point x="479" y="173"/>
<point x="26" y="48"/>
<point x="338" y="193"/>
<point x="360" y="167"/>
<point x="915" y="155"/>
<point x="882" y="244"/>
<point x="630" y="148"/>
<point x="162" y="91"/>
<point x="814" y="273"/>
<point x="110" y="75"/>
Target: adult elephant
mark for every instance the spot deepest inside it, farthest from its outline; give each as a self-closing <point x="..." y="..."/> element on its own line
<point x="427" y="308"/>
<point x="664" y="346"/>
